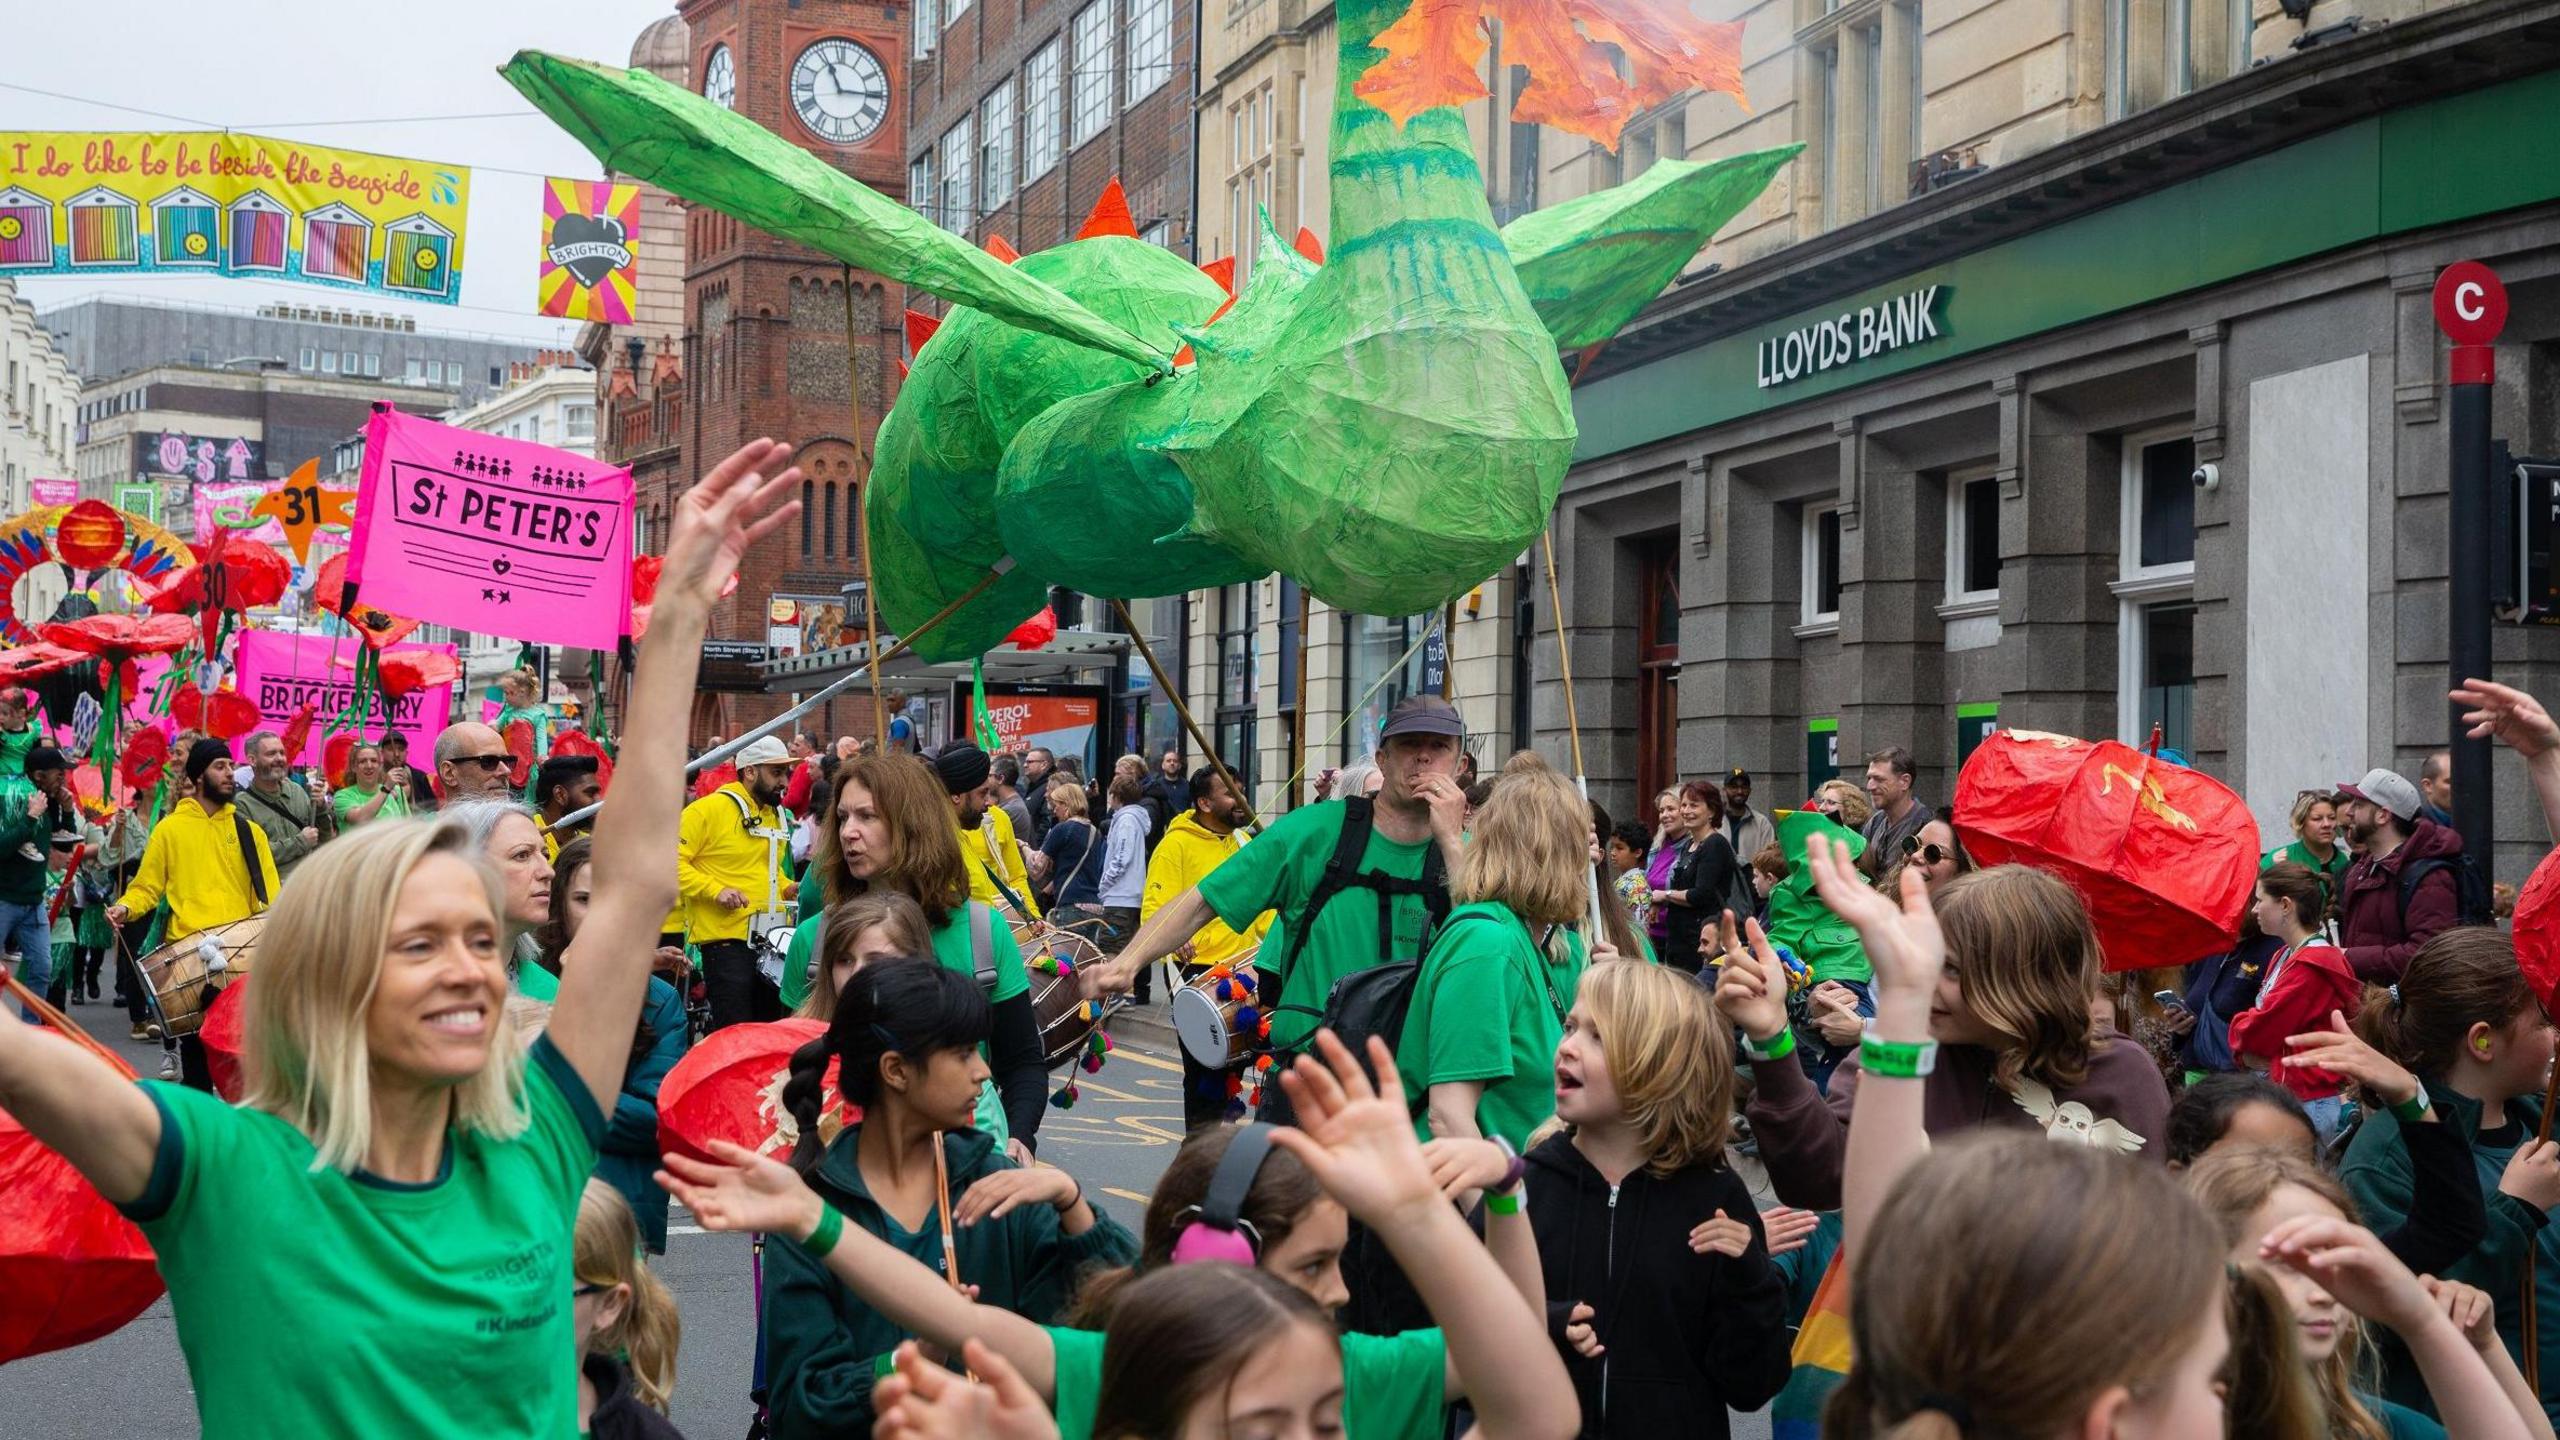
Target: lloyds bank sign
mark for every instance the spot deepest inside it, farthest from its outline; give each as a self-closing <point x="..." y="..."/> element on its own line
<point x="1852" y="336"/>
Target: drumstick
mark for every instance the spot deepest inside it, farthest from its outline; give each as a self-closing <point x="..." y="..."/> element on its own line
<point x="942" y="1192"/>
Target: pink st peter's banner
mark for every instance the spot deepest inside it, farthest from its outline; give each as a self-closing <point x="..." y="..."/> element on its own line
<point x="282" y="673"/>
<point x="499" y="536"/>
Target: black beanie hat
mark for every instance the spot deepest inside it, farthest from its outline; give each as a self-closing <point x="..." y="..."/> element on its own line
<point x="202" y="754"/>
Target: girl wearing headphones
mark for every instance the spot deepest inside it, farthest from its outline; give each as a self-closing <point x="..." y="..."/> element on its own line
<point x="1248" y="1196"/>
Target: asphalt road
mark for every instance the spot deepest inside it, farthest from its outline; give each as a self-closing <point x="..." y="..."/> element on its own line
<point x="133" y="1383"/>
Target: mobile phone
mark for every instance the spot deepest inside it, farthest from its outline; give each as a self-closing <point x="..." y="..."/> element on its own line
<point x="2168" y="1000"/>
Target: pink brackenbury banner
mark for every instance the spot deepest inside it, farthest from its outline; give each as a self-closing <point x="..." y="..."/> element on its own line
<point x="282" y="673"/>
<point x="482" y="533"/>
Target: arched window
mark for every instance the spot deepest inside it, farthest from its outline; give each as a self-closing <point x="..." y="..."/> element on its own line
<point x="808" y="502"/>
<point x="831" y="518"/>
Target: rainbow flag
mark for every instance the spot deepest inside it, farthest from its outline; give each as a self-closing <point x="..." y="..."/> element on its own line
<point x="1821" y="1358"/>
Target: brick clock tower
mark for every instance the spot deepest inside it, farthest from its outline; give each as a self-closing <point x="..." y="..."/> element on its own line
<point x="768" y="350"/>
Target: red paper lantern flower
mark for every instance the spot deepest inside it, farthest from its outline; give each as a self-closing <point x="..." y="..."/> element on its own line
<point x="645" y="570"/>
<point x="90" y="536"/>
<point x="297" y="731"/>
<point x="579" y="742"/>
<point x="119" y="638"/>
<point x="187" y="707"/>
<point x="518" y="738"/>
<point x="28" y="662"/>
<point x="333" y="757"/>
<point x="379" y="628"/>
<point x="2163" y="856"/>
<point x="72" y="1268"/>
<point x="228" y="715"/>
<point x="417" y="670"/>
<point x="1035" y="632"/>
<point x="2537" y="930"/>
<point x="145" y="756"/>
<point x="90" y="788"/>
<point x="729" y="1087"/>
<point x="233" y="574"/>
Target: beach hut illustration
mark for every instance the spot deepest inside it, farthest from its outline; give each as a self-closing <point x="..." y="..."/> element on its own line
<point x="26" y="229"/>
<point x="103" y="228"/>
<point x="258" y="226"/>
<point x="336" y="243"/>
<point x="418" y="257"/>
<point x="186" y="229"/>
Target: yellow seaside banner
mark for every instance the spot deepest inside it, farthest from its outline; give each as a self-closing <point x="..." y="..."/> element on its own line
<point x="212" y="202"/>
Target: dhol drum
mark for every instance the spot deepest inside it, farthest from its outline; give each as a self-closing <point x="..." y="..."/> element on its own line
<point x="185" y="974"/>
<point x="1215" y="1017"/>
<point x="1067" y="1020"/>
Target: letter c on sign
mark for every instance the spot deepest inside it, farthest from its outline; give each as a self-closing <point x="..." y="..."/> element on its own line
<point x="2470" y="304"/>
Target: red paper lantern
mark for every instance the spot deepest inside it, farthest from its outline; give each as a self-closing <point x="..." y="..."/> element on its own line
<point x="29" y="662"/>
<point x="2537" y="930"/>
<point x="416" y="670"/>
<point x="224" y="1032"/>
<point x="729" y="1087"/>
<point x="2163" y="856"/>
<point x="297" y="731"/>
<point x="90" y="536"/>
<point x="228" y="715"/>
<point x="1035" y="632"/>
<point x="72" y="1268"/>
<point x="333" y="757"/>
<point x="579" y="742"/>
<point x="187" y="706"/>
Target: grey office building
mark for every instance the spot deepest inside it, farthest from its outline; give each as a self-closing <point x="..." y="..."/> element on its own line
<point x="104" y="337"/>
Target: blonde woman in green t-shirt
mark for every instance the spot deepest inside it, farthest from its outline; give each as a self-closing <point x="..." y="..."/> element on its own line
<point x="413" y="1173"/>
<point x="1354" y="1144"/>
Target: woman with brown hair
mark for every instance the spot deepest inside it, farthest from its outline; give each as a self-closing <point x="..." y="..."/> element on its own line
<point x="874" y="925"/>
<point x="889" y="827"/>
<point x="2010" y="1014"/>
<point x="2308" y="980"/>
<point x="1702" y="878"/>
<point x="2465" y="1023"/>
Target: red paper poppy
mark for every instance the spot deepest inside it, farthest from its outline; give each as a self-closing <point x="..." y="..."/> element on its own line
<point x="145" y="756"/>
<point x="645" y="570"/>
<point x="119" y="638"/>
<point x="417" y="670"/>
<point x="1035" y="632"/>
<point x="27" y="662"/>
<point x="187" y="706"/>
<point x="90" y="788"/>
<point x="297" y="731"/>
<point x="379" y="628"/>
<point x="333" y="756"/>
<point x="90" y="536"/>
<point x="579" y="742"/>
<point x="519" y="742"/>
<point x="228" y="715"/>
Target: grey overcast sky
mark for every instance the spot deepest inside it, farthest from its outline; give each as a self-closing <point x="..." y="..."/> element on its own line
<point x="272" y="65"/>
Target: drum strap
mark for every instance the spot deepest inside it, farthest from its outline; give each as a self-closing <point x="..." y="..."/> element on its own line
<point x="249" y="857"/>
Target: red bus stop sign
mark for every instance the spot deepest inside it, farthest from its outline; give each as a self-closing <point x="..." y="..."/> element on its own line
<point x="2471" y="306"/>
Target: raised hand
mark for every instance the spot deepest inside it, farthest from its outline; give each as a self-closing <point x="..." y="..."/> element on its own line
<point x="2338" y="1051"/>
<point x="1751" y="986"/>
<point x="923" y="1401"/>
<point x="2346" y="1260"/>
<point x="1354" y="1137"/>
<point x="1721" y="1236"/>
<point x="745" y="498"/>
<point x="742" y="1190"/>
<point x="1902" y="942"/>
<point x="2516" y="719"/>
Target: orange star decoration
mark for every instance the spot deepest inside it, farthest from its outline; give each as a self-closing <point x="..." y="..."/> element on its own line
<point x="1434" y="56"/>
<point x="302" y="506"/>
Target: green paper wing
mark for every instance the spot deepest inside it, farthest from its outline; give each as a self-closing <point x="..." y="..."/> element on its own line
<point x="1590" y="263"/>
<point x="639" y="125"/>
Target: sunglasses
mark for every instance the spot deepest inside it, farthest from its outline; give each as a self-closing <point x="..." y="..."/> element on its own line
<point x="487" y="763"/>
<point x="1928" y="854"/>
<point x="591" y="1288"/>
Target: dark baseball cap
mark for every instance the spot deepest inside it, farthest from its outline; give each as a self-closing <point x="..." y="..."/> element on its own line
<point x="1737" y="776"/>
<point x="44" y="757"/>
<point x="1422" y="715"/>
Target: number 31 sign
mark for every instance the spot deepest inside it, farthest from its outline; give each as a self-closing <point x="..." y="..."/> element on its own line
<point x="302" y="505"/>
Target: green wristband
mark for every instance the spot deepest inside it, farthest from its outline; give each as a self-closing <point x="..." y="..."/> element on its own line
<point x="1502" y="1202"/>
<point x="830" y="1229"/>
<point x="1781" y="1045"/>
<point x="1897" y="1060"/>
<point x="2413" y="1109"/>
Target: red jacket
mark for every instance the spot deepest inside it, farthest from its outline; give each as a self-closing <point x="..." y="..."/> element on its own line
<point x="2309" y="983"/>
<point x="2378" y="939"/>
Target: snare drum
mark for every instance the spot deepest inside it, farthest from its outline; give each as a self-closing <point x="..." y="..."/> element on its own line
<point x="185" y="974"/>
<point x="1214" y="1032"/>
<point x="1067" y="1020"/>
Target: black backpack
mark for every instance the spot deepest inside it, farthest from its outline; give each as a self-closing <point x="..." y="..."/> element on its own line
<point x="2472" y="901"/>
<point x="1371" y="1000"/>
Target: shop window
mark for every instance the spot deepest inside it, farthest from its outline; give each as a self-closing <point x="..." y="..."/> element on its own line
<point x="1237" y="691"/>
<point x="1371" y="648"/>
<point x="1973" y="539"/>
<point x="1658" y="669"/>
<point x="2155" y="588"/>
<point x="1821" y="565"/>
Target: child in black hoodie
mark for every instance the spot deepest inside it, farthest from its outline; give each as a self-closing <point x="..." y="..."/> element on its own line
<point x="1659" y="1288"/>
<point x="621" y="1311"/>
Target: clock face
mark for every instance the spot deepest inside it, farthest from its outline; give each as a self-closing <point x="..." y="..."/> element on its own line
<point x="720" y="78"/>
<point x="841" y="91"/>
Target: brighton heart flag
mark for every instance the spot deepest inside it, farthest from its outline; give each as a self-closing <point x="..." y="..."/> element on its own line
<point x="590" y="256"/>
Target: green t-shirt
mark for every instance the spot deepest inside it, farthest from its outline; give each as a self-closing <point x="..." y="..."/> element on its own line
<point x="1394" y="1387"/>
<point x="347" y="799"/>
<point x="1489" y="1005"/>
<point x="364" y="1307"/>
<point x="14" y="745"/>
<point x="1279" y="871"/>
<point x="531" y="980"/>
<point x="952" y="947"/>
